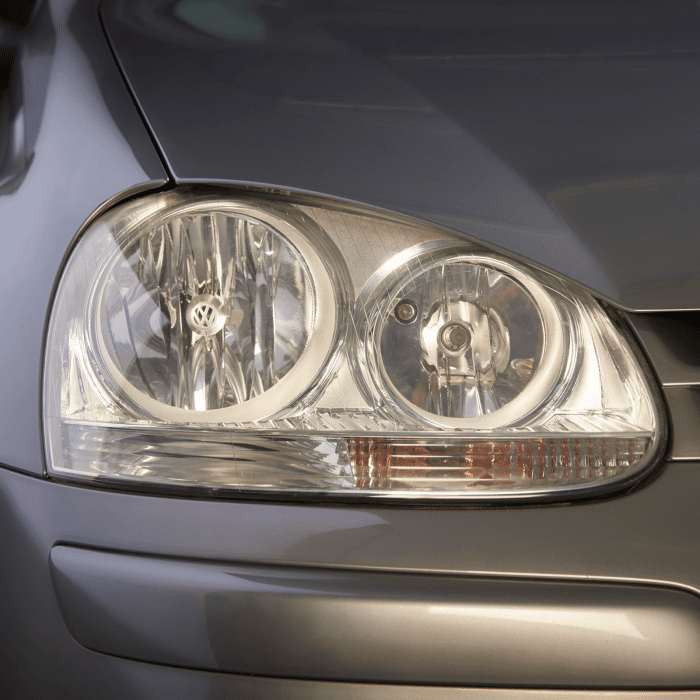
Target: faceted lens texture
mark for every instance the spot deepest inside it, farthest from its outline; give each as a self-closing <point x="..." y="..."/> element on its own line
<point x="497" y="463"/>
<point x="205" y="311"/>
<point x="202" y="339"/>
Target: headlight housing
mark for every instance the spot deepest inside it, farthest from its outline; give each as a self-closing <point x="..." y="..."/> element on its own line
<point x="201" y="339"/>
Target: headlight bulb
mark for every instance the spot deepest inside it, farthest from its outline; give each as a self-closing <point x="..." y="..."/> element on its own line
<point x="463" y="346"/>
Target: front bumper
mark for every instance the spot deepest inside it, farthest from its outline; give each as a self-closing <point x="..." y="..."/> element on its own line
<point x="646" y="540"/>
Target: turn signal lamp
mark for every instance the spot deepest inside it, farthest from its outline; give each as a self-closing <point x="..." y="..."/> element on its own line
<point x="202" y="340"/>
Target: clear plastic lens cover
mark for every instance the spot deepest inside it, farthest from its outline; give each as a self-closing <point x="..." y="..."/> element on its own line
<point x="203" y="339"/>
<point x="481" y="347"/>
<point x="197" y="310"/>
<point x="202" y="312"/>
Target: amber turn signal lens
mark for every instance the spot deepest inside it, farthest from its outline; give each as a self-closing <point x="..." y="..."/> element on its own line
<point x="379" y="463"/>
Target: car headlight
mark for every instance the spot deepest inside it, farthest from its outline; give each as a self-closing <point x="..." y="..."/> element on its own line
<point x="213" y="312"/>
<point x="203" y="339"/>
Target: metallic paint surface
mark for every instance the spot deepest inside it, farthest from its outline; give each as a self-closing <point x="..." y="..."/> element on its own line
<point x="123" y="678"/>
<point x="672" y="342"/>
<point x="649" y="536"/>
<point x="565" y="133"/>
<point x="87" y="144"/>
<point x="361" y="626"/>
<point x="684" y="406"/>
<point x="594" y="175"/>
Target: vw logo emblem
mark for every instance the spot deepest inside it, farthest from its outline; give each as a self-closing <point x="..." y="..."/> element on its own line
<point x="205" y="314"/>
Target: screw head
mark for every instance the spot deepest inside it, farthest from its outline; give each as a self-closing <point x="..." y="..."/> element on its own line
<point x="406" y="311"/>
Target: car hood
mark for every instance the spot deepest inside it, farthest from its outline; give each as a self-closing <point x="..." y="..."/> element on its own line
<point x="565" y="133"/>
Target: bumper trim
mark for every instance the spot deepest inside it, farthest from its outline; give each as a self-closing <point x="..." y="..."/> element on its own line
<point x="328" y="624"/>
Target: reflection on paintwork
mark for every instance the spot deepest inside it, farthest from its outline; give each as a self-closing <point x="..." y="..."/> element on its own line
<point x="24" y="70"/>
<point x="345" y="123"/>
<point x="611" y="621"/>
<point x="88" y="144"/>
<point x="226" y="19"/>
<point x="636" y="216"/>
<point x="386" y="103"/>
<point x="326" y="623"/>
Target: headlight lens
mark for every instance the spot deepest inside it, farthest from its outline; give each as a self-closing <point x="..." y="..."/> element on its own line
<point x="206" y="313"/>
<point x="203" y="340"/>
<point x="481" y="347"/>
